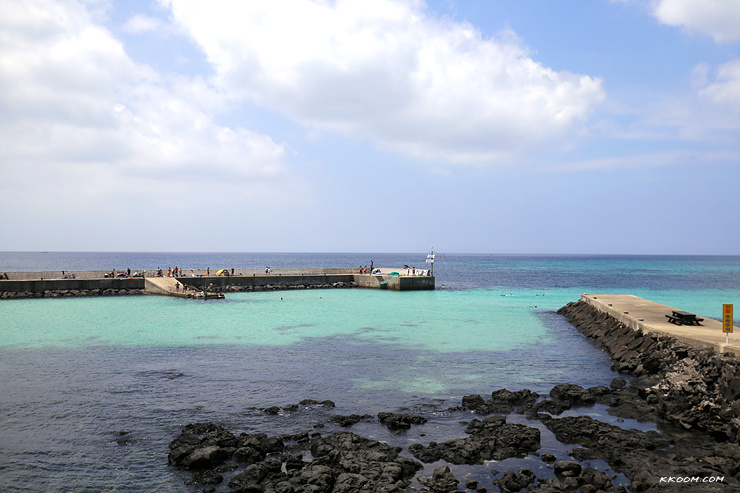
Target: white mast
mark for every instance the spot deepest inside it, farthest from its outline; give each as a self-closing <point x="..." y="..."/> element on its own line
<point x="430" y="260"/>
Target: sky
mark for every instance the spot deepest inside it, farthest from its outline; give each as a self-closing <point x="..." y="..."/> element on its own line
<point x="469" y="126"/>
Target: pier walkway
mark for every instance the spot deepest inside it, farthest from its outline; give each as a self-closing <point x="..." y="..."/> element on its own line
<point x="639" y="313"/>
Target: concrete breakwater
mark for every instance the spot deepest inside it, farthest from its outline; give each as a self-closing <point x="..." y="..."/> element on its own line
<point x="687" y="385"/>
<point x="55" y="288"/>
<point x="92" y="283"/>
<point x="649" y="316"/>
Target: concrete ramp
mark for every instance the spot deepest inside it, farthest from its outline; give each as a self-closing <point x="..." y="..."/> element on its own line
<point x="162" y="285"/>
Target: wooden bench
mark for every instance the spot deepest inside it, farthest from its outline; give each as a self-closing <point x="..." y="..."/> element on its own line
<point x="683" y="318"/>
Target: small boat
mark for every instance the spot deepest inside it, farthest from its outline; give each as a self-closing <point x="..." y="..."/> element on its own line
<point x="207" y="296"/>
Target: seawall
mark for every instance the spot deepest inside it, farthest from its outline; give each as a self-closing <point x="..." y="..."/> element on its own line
<point x="275" y="281"/>
<point x="87" y="283"/>
<point x="51" y="288"/>
<point x="689" y="385"/>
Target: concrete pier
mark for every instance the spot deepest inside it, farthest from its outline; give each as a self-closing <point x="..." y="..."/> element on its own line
<point x="395" y="280"/>
<point x="45" y="282"/>
<point x="395" y="283"/>
<point x="648" y="316"/>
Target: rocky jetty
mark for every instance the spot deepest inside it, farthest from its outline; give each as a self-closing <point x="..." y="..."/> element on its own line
<point x="690" y="387"/>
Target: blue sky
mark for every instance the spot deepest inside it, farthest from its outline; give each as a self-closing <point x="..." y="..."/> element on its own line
<point x="474" y="126"/>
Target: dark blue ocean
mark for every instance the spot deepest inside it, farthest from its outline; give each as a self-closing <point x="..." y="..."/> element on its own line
<point x="93" y="389"/>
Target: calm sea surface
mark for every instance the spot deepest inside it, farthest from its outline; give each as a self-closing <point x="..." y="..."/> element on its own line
<point x="76" y="372"/>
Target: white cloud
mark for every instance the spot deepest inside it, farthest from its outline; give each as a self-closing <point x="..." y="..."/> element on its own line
<point x="717" y="18"/>
<point x="388" y="71"/>
<point x="726" y="89"/>
<point x="142" y="23"/>
<point x="77" y="114"/>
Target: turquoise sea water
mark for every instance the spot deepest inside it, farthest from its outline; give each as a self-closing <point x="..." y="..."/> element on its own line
<point x="421" y="320"/>
<point x="75" y="371"/>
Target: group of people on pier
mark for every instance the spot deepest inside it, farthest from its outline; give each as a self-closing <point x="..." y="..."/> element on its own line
<point x="176" y="272"/>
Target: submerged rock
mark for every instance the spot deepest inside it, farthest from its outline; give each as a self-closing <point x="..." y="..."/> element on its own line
<point x="342" y="462"/>
<point x="442" y="480"/>
<point x="514" y="482"/>
<point x="399" y="421"/>
<point x="490" y="439"/>
<point x="352" y="419"/>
